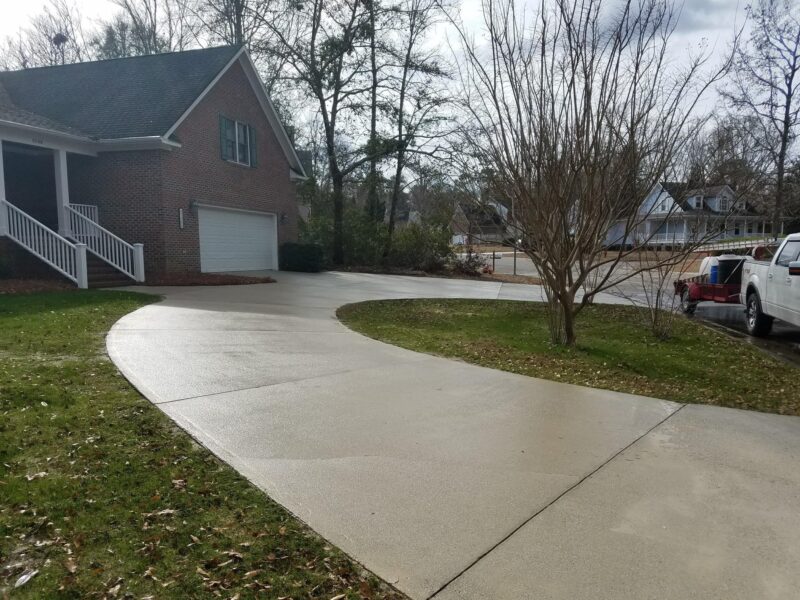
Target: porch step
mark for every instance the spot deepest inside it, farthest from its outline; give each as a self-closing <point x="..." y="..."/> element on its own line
<point x="102" y="275"/>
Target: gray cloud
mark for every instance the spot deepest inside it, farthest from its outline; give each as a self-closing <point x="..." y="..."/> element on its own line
<point x="706" y="15"/>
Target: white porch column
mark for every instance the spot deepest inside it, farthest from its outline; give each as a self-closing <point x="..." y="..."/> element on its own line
<point x="3" y="210"/>
<point x="62" y="191"/>
<point x="2" y="174"/>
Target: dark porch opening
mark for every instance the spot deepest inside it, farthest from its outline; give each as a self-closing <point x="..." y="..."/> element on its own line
<point x="31" y="181"/>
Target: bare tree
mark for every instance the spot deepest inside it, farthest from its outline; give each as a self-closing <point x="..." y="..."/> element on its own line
<point x="326" y="49"/>
<point x="160" y="25"/>
<point x="416" y="107"/>
<point x="766" y="84"/>
<point x="578" y="115"/>
<point x="54" y="37"/>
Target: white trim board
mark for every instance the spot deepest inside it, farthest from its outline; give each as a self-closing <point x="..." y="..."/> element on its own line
<point x="243" y="58"/>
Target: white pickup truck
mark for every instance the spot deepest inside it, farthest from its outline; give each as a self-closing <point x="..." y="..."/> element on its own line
<point x="771" y="290"/>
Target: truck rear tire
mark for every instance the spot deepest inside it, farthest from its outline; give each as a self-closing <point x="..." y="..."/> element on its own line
<point x="688" y="306"/>
<point x="758" y="324"/>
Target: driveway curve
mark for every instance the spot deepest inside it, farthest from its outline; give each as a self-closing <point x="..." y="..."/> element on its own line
<point x="456" y="481"/>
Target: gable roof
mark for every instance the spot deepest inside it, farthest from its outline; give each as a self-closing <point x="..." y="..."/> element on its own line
<point x="118" y="98"/>
<point x="681" y="193"/>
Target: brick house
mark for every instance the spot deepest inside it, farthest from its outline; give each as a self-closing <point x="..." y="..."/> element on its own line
<point x="150" y="165"/>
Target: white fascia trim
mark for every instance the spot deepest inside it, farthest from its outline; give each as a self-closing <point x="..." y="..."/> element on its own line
<point x="151" y="142"/>
<point x="272" y="115"/>
<point x="46" y="138"/>
<point x="231" y="209"/>
<point x="57" y="140"/>
<point x="203" y="94"/>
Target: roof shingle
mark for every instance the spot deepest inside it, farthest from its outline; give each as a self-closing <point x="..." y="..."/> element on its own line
<point x="111" y="99"/>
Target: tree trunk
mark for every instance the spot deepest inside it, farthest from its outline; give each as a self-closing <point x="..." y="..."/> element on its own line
<point x="568" y="336"/>
<point x="338" y="218"/>
<point x="398" y="173"/>
<point x="777" y="212"/>
<point x="372" y="178"/>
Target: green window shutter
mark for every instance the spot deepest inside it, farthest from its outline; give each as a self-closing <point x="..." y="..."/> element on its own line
<point x="253" y="147"/>
<point x="227" y="135"/>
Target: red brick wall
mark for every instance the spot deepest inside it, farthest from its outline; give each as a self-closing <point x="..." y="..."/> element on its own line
<point x="140" y="192"/>
<point x="196" y="171"/>
<point x="127" y="188"/>
<point x="17" y="263"/>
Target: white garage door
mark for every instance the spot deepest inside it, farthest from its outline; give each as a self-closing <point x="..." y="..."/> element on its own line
<point x="232" y="240"/>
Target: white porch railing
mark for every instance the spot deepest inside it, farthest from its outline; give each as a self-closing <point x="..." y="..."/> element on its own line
<point x="125" y="257"/>
<point x="89" y="211"/>
<point x="65" y="257"/>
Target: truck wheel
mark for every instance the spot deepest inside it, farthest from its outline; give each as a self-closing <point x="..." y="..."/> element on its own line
<point x="688" y="306"/>
<point x="758" y="324"/>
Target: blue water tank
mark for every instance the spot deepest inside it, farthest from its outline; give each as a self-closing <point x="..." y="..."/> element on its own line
<point x="714" y="275"/>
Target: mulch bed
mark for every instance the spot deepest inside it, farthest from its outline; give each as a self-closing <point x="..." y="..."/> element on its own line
<point x="206" y="279"/>
<point x="29" y="286"/>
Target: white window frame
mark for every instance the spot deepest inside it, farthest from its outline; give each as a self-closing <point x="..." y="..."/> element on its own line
<point x="247" y="128"/>
<point x="724" y="204"/>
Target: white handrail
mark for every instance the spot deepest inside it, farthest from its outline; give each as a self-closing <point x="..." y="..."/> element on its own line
<point x="125" y="257"/>
<point x="90" y="211"/>
<point x="65" y="257"/>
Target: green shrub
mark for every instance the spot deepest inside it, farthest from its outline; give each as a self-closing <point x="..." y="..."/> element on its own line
<point x="420" y="247"/>
<point x="471" y="263"/>
<point x="363" y="239"/>
<point x="306" y="258"/>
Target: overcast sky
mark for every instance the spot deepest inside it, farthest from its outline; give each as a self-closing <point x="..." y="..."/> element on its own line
<point x="709" y="23"/>
<point x="710" y="19"/>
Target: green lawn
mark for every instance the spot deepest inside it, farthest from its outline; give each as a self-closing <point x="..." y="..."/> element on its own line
<point x="615" y="350"/>
<point x="104" y="497"/>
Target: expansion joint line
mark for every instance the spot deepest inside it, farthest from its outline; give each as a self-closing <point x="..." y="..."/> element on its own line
<point x="553" y="501"/>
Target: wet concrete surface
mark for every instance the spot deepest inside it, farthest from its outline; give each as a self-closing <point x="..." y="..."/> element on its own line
<point x="783" y="342"/>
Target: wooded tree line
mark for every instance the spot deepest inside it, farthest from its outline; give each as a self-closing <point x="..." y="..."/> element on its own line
<point x="561" y="113"/>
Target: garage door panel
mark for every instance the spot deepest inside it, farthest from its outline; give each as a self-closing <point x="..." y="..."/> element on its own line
<point x="236" y="241"/>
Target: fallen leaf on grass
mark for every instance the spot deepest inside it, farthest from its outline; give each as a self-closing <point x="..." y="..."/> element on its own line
<point x="25" y="578"/>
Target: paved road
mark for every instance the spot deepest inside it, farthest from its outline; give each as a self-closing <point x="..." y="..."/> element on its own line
<point x="783" y="342"/>
<point x="455" y="481"/>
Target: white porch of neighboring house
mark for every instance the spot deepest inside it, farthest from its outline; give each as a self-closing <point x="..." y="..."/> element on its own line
<point x="679" y="229"/>
<point x="36" y="212"/>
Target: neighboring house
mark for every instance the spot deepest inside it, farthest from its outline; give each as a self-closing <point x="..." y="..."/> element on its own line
<point x="161" y="164"/>
<point x="478" y="224"/>
<point x="674" y="214"/>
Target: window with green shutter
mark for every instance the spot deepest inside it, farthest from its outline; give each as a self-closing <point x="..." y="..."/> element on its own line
<point x="237" y="142"/>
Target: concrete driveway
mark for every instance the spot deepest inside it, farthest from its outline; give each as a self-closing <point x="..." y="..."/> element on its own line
<point x="455" y="481"/>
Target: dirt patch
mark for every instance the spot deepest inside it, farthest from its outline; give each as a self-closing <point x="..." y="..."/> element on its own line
<point x="509" y="278"/>
<point x="206" y="279"/>
<point x="29" y="286"/>
<point x="501" y="277"/>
